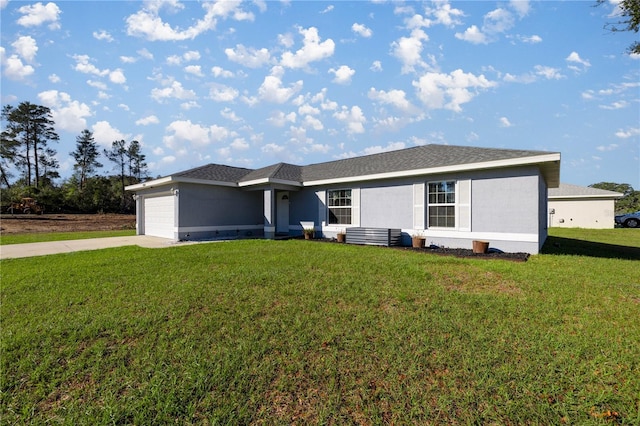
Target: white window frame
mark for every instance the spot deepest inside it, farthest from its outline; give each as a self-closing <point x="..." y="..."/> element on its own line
<point x="444" y="204"/>
<point x="351" y="206"/>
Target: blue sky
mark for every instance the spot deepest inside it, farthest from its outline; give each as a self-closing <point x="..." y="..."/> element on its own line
<point x="253" y="83"/>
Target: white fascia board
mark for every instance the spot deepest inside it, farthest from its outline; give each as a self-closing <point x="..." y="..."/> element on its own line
<point x="149" y="184"/>
<point x="445" y="169"/>
<point x="171" y="180"/>
<point x="264" y="181"/>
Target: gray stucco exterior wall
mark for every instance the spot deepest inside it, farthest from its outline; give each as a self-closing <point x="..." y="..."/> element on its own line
<point x="218" y="212"/>
<point x="508" y="208"/>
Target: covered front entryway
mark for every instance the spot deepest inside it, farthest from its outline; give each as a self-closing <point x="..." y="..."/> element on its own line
<point x="282" y="213"/>
<point x="159" y="216"/>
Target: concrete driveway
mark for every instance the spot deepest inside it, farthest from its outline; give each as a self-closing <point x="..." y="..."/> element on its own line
<point x="13" y="251"/>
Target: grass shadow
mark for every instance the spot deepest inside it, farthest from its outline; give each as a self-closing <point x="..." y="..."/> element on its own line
<point x="570" y="246"/>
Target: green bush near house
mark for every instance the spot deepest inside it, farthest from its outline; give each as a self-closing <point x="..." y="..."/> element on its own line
<point x="297" y="332"/>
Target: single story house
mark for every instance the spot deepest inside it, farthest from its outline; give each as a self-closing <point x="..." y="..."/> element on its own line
<point x="572" y="206"/>
<point x="451" y="195"/>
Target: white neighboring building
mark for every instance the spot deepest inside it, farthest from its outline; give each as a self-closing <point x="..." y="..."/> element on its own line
<point x="572" y="206"/>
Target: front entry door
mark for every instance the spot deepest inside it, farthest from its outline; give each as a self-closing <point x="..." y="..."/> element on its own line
<point x="282" y="214"/>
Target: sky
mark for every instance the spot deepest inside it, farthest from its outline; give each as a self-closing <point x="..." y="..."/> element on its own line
<point x="250" y="84"/>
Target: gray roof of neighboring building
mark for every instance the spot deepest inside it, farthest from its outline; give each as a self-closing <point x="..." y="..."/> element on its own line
<point x="566" y="190"/>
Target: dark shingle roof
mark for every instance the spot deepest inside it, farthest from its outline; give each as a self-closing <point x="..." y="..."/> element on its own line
<point x="281" y="171"/>
<point x="215" y="172"/>
<point x="419" y="157"/>
<point x="415" y="158"/>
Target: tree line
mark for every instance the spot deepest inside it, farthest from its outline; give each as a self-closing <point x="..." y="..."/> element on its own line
<point x="29" y="168"/>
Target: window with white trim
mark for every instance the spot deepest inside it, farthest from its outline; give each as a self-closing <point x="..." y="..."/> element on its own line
<point x="441" y="198"/>
<point x="339" y="205"/>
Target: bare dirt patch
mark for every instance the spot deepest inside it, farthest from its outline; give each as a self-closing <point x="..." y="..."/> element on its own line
<point x="26" y="224"/>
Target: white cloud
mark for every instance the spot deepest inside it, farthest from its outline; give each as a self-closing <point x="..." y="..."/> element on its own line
<point x="522" y="7"/>
<point x="26" y="47"/>
<point x="548" y="72"/>
<point x="117" y="76"/>
<point x="610" y="147"/>
<point x="104" y="134"/>
<point x="280" y="119"/>
<point x="397" y="98"/>
<point x="145" y="121"/>
<point x="391" y="146"/>
<point x="184" y="131"/>
<point x="306" y="109"/>
<point x="194" y="70"/>
<point x="249" y="57"/>
<point x="504" y="122"/>
<point x="376" y="66"/>
<point x="286" y="40"/>
<point x="230" y="115"/>
<point x="445" y="15"/>
<point x="576" y="63"/>
<point x="189" y="105"/>
<point x="361" y="30"/>
<point x="102" y="35"/>
<point x="498" y="21"/>
<point x="473" y="35"/>
<point x="147" y="23"/>
<point x="343" y="74"/>
<point x="327" y="9"/>
<point x="13" y="67"/>
<point x="221" y="72"/>
<point x="312" y="50"/>
<point x="37" y="14"/>
<point x="534" y="39"/>
<point x="312" y="122"/>
<point x="615" y="105"/>
<point x="409" y="50"/>
<point x="272" y="148"/>
<point x="69" y="115"/>
<point x="353" y="118"/>
<point x="84" y="66"/>
<point x="97" y="84"/>
<point x="630" y="132"/>
<point x="54" y="78"/>
<point x="239" y="144"/>
<point x="192" y="55"/>
<point x="175" y="91"/>
<point x="222" y="93"/>
<point x="272" y="89"/>
<point x="144" y="53"/>
<point x="450" y="91"/>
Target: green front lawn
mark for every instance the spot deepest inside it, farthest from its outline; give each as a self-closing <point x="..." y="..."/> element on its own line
<point x="297" y="332"/>
<point x="61" y="236"/>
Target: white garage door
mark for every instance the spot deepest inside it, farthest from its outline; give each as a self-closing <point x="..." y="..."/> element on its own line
<point x="159" y="216"/>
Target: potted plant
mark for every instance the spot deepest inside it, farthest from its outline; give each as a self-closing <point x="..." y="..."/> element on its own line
<point x="480" y="247"/>
<point x="308" y="233"/>
<point x="341" y="235"/>
<point x="417" y="241"/>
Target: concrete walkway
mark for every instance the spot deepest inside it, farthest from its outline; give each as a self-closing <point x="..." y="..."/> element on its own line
<point x="12" y="251"/>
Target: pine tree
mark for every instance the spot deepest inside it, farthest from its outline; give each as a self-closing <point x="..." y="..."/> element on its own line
<point x="29" y="129"/>
<point x="85" y="155"/>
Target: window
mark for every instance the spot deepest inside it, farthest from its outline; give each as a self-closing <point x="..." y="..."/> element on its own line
<point x="339" y="202"/>
<point x="442" y="204"/>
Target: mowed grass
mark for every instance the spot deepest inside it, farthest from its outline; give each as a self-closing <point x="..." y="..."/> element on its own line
<point x="61" y="236"/>
<point x="299" y="332"/>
